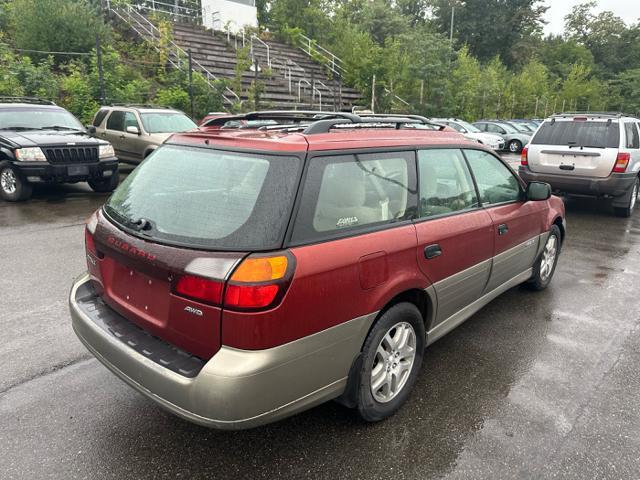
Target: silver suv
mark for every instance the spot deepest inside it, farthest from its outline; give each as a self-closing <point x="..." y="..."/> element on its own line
<point x="595" y="154"/>
<point x="136" y="131"/>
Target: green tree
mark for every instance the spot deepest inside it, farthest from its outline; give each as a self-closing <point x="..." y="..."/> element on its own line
<point x="492" y="27"/>
<point x="55" y="25"/>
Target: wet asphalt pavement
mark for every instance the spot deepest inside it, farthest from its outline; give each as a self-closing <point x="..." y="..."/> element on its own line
<point x="536" y="385"/>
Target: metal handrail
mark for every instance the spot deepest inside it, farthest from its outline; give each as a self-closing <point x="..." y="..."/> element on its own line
<point x="300" y="82"/>
<point x="255" y="37"/>
<point x="153" y="31"/>
<point x="400" y="99"/>
<point x="336" y="63"/>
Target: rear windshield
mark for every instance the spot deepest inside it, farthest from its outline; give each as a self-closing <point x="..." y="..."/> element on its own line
<point x="208" y="198"/>
<point x="580" y="134"/>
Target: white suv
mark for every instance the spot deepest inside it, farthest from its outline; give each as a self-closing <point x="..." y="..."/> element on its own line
<point x="595" y="154"/>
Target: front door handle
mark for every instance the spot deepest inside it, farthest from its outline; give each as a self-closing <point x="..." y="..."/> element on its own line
<point x="432" y="251"/>
<point x="502" y="229"/>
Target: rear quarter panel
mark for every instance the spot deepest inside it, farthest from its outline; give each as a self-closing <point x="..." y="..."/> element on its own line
<point x="332" y="284"/>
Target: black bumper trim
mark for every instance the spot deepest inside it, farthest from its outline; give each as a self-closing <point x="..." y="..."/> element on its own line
<point x="59" y="173"/>
<point x="153" y="348"/>
<point x="615" y="185"/>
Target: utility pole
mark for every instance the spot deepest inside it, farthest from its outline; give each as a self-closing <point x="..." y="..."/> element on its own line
<point x="421" y="91"/>
<point x="536" y="110"/>
<point x="373" y="94"/>
<point x="103" y="100"/>
<point x="453" y="15"/>
<point x="191" y="84"/>
<point x="256" y="87"/>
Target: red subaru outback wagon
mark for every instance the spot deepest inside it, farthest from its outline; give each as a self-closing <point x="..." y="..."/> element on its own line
<point x="241" y="275"/>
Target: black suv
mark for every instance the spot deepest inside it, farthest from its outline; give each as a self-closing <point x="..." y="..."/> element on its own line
<point x="41" y="142"/>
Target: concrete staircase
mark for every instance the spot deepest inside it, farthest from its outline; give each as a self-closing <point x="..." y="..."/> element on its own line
<point x="291" y="78"/>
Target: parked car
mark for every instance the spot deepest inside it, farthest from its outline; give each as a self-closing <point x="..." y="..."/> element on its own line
<point x="521" y="127"/>
<point x="136" y="131"/>
<point x="532" y="125"/>
<point x="588" y="154"/>
<point x="515" y="140"/>
<point x="41" y="142"/>
<point x="266" y="272"/>
<point x="495" y="142"/>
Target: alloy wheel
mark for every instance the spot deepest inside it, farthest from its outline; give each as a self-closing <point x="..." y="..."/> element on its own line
<point x="393" y="362"/>
<point x="549" y="256"/>
<point x="8" y="181"/>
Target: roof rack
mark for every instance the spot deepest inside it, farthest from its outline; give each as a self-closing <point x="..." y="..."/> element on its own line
<point x="18" y="99"/>
<point x="135" y="105"/>
<point x="593" y="114"/>
<point x="311" y="122"/>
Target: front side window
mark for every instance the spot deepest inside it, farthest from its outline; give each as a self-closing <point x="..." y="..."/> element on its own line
<point x="496" y="183"/>
<point x="347" y="192"/>
<point x="495" y="129"/>
<point x="633" y="140"/>
<point x="446" y="185"/>
<point x="209" y="198"/>
<point x="130" y="121"/>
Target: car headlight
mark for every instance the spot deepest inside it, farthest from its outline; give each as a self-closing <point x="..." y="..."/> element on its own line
<point x="31" y="154"/>
<point x="106" y="151"/>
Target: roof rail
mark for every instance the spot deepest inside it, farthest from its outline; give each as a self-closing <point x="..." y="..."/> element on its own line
<point x="135" y="105"/>
<point x="311" y="122"/>
<point x="18" y="99"/>
<point x="593" y="114"/>
<point x="290" y="116"/>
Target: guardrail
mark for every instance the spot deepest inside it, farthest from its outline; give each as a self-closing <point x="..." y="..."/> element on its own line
<point x="334" y="63"/>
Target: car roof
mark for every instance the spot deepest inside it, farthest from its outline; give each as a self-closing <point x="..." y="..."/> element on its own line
<point x="38" y="106"/>
<point x="338" y="139"/>
<point x="141" y="108"/>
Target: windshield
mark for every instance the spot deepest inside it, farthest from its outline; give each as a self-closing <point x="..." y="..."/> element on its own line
<point x="166" y="122"/>
<point x="470" y="128"/>
<point x="37" y="118"/>
<point x="209" y="198"/>
<point x="579" y="134"/>
<point x="509" y="128"/>
<point x="521" y="128"/>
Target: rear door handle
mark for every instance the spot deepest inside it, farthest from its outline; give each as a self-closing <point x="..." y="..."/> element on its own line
<point x="502" y="229"/>
<point x="432" y="251"/>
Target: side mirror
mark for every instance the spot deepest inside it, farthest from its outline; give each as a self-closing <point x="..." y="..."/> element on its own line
<point x="91" y="130"/>
<point x="538" y="191"/>
<point x="133" y="130"/>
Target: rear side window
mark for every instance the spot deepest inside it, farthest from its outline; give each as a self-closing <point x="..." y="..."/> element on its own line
<point x="579" y="134"/>
<point x="99" y="117"/>
<point x="209" y="198"/>
<point x="348" y="192"/>
<point x="495" y="129"/>
<point x="633" y="139"/>
<point x="446" y="185"/>
<point x="116" y="121"/>
<point x="496" y="183"/>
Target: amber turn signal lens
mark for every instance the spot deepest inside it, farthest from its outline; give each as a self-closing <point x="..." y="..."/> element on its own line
<point x="262" y="269"/>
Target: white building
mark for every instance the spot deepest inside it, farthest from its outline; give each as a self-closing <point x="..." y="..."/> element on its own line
<point x="237" y="14"/>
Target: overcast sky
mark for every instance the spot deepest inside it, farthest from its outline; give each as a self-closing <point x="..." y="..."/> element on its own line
<point x="629" y="10"/>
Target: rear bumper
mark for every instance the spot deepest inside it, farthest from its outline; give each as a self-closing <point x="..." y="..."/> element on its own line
<point x="235" y="389"/>
<point x="615" y="185"/>
<point x="50" y="173"/>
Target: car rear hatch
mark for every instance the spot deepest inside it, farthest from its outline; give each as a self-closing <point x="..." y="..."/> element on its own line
<point x="166" y="242"/>
<point x="575" y="146"/>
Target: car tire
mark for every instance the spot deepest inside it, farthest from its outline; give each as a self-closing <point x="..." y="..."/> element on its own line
<point x="105" y="185"/>
<point x="545" y="266"/>
<point x="515" y="146"/>
<point x="632" y="202"/>
<point x="13" y="186"/>
<point x="392" y="352"/>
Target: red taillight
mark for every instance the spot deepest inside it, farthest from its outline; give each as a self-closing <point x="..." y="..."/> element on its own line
<point x="524" y="158"/>
<point x="89" y="243"/>
<point x="198" y="288"/>
<point x="622" y="161"/>
<point x="250" y="296"/>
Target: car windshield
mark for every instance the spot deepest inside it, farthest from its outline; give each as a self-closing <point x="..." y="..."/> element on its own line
<point x="470" y="128"/>
<point x="521" y="128"/>
<point x="509" y="128"/>
<point x="37" y="118"/>
<point x="166" y="122"/>
<point x="579" y="134"/>
<point x="207" y="198"/>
